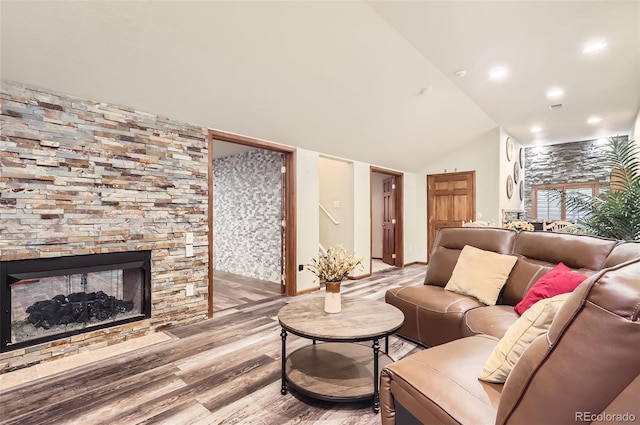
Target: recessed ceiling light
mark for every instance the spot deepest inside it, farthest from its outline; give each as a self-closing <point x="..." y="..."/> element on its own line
<point x="594" y="120"/>
<point x="498" y="73"/>
<point x="535" y="129"/>
<point x="594" y="47"/>
<point x="427" y="89"/>
<point x="461" y="74"/>
<point x="554" y="93"/>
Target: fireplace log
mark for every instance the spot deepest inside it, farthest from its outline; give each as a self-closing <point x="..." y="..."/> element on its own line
<point x="78" y="307"/>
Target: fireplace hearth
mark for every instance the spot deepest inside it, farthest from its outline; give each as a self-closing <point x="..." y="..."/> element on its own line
<point x="52" y="298"/>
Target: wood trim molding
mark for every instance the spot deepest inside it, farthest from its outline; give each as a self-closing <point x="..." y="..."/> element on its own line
<point x="308" y="291"/>
<point x="362" y="276"/>
<point x="593" y="184"/>
<point x="414" y="263"/>
<point x="210" y="223"/>
<point x="290" y="195"/>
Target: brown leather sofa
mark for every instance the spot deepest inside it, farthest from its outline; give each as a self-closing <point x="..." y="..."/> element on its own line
<point x="588" y="363"/>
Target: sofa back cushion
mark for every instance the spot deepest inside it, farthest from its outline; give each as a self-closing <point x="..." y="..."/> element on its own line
<point x="450" y="241"/>
<point x="588" y="359"/>
<point x="622" y="253"/>
<point x="522" y="277"/>
<point x="539" y="252"/>
<point x="575" y="251"/>
<point x="559" y="280"/>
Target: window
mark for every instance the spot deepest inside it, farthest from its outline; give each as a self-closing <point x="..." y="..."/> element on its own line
<point x="547" y="205"/>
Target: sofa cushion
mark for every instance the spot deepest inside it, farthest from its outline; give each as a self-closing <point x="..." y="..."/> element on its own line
<point x="559" y="280"/>
<point x="575" y="251"/>
<point x="622" y="253"/>
<point x="440" y="385"/>
<point x="480" y="274"/>
<point x="524" y="274"/>
<point x="491" y="320"/>
<point x="450" y="241"/>
<point x="432" y="315"/>
<point x="533" y="323"/>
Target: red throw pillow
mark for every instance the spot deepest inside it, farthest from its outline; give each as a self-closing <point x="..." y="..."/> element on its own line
<point x="559" y="280"/>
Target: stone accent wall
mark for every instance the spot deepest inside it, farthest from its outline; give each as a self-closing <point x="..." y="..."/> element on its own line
<point x="82" y="177"/>
<point x="246" y="211"/>
<point x="574" y="162"/>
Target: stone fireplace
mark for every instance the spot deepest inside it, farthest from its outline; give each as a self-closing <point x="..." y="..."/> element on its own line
<point x="47" y="299"/>
<point x="82" y="178"/>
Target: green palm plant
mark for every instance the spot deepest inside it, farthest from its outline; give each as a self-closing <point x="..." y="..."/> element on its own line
<point x="614" y="214"/>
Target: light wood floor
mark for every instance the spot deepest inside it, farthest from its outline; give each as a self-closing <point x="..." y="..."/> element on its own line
<point x="232" y="290"/>
<point x="225" y="370"/>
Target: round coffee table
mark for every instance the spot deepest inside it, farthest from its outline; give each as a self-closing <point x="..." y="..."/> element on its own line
<point x="341" y="368"/>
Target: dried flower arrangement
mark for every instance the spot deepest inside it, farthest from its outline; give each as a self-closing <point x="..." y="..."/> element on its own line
<point x="519" y="225"/>
<point x="335" y="265"/>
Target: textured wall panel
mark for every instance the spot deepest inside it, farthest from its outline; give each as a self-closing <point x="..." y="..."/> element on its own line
<point x="247" y="201"/>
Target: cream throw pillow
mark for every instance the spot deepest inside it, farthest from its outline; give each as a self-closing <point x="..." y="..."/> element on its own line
<point x="480" y="274"/>
<point x="533" y="323"/>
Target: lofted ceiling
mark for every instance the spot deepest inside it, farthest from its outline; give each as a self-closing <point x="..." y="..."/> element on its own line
<point x="372" y="81"/>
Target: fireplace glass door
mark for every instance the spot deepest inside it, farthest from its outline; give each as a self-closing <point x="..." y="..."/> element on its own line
<point x="49" y="304"/>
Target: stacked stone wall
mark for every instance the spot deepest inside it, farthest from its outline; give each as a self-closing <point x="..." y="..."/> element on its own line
<point x="575" y="162"/>
<point x="82" y="177"/>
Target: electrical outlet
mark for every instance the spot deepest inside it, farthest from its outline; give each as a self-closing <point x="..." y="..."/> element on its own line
<point x="190" y="290"/>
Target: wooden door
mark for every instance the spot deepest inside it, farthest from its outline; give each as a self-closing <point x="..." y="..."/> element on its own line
<point x="451" y="199"/>
<point x="388" y="221"/>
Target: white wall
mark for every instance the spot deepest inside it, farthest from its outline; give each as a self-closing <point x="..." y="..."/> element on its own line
<point x="482" y="155"/>
<point x="635" y="132"/>
<point x="376" y="214"/>
<point x="308" y="216"/>
<point x="415" y="219"/>
<point x="361" y="217"/>
<point x="336" y="195"/>
<point x="506" y="169"/>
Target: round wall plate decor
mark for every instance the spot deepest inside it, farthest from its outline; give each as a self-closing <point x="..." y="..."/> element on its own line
<point x="516" y="172"/>
<point x="509" y="186"/>
<point x="521" y="157"/>
<point x="521" y="191"/>
<point x="509" y="148"/>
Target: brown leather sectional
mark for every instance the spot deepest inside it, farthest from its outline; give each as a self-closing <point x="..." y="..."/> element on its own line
<point x="588" y="363"/>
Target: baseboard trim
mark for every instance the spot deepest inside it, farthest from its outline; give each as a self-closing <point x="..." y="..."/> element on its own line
<point x="307" y="291"/>
<point x="362" y="276"/>
<point x="422" y="263"/>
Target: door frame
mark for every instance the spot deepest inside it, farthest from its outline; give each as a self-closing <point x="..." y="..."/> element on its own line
<point x="399" y="213"/>
<point x="290" y="204"/>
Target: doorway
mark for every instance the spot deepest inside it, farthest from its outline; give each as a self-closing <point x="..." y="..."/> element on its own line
<point x="287" y="212"/>
<point x="451" y="199"/>
<point x="387" y="236"/>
